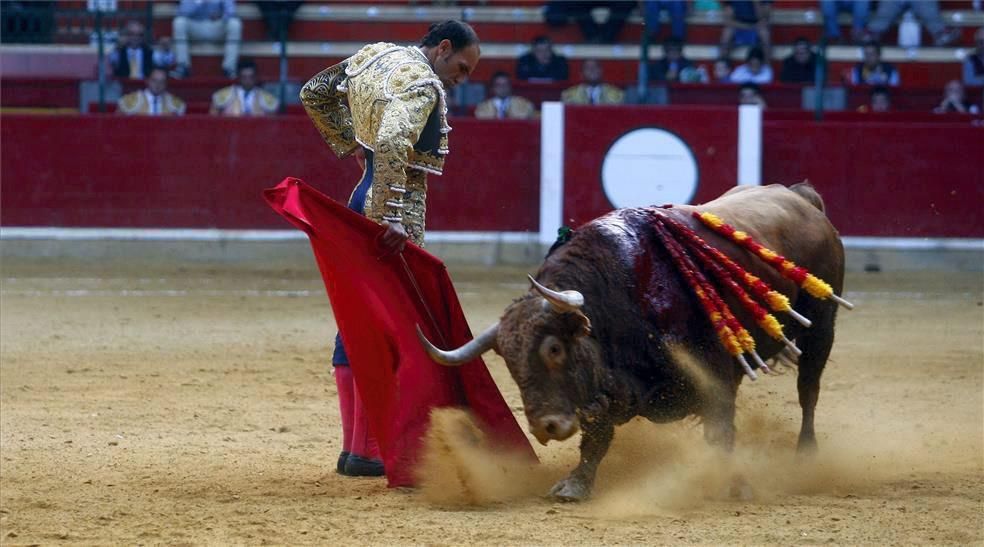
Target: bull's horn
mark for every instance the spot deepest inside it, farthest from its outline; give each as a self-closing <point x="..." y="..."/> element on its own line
<point x="456" y="357"/>
<point x="561" y="301"/>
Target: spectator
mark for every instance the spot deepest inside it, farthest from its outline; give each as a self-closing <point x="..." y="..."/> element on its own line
<point x="721" y="71"/>
<point x="973" y="68"/>
<point x="132" y="57"/>
<point x="244" y="98"/>
<point x="668" y="68"/>
<point x="164" y="54"/>
<point x="152" y="101"/>
<point x="278" y="15"/>
<point x="871" y="70"/>
<point x="210" y="20"/>
<point x="954" y="100"/>
<point x="927" y="11"/>
<point x="503" y="103"/>
<point x="746" y="22"/>
<point x="541" y="63"/>
<point x="750" y="93"/>
<point x="557" y="12"/>
<point x="755" y="70"/>
<point x="677" y="9"/>
<point x="593" y="90"/>
<point x="858" y="9"/>
<point x="800" y="67"/>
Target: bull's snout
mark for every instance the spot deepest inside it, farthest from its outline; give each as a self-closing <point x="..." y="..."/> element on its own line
<point x="556" y="427"/>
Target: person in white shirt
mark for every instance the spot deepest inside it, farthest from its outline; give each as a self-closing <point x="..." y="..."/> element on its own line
<point x="245" y="97"/>
<point x="503" y="104"/>
<point x="152" y="101"/>
<point x="755" y="70"/>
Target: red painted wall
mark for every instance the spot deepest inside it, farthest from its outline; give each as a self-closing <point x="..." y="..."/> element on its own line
<point x="886" y="179"/>
<point x="891" y="177"/>
<point x="711" y="133"/>
<point x="199" y="171"/>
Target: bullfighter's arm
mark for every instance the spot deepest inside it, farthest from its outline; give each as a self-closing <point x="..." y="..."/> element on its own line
<point x="403" y="120"/>
<point x="328" y="109"/>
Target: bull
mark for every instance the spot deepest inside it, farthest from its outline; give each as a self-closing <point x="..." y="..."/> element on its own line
<point x="592" y="344"/>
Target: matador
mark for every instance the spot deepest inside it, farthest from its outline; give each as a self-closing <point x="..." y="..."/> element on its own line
<point x="386" y="104"/>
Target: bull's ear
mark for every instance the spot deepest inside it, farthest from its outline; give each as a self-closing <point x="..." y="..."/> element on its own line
<point x="585" y="329"/>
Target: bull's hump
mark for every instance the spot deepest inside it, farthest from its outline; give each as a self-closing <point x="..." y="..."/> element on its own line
<point x="619" y="228"/>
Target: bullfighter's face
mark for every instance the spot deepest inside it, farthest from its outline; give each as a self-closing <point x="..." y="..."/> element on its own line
<point x="538" y="344"/>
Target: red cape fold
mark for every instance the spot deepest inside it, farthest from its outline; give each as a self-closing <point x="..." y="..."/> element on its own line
<point x="378" y="301"/>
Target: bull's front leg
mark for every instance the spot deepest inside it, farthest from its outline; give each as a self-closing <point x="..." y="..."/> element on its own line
<point x="595" y="439"/>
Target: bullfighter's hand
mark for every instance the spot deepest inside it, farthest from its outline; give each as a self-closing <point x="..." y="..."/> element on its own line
<point x="394" y="238"/>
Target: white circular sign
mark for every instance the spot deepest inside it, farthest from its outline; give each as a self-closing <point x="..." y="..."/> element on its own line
<point x="649" y="167"/>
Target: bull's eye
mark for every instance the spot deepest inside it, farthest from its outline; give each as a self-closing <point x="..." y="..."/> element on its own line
<point x="552" y="352"/>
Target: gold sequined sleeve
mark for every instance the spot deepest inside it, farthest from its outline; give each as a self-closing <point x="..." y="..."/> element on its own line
<point x="328" y="109"/>
<point x="403" y="120"/>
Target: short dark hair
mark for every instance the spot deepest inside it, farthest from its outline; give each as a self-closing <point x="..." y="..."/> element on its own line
<point x="459" y="33"/>
<point x="880" y="90"/>
<point x="673" y="42"/>
<point x="500" y="74"/>
<point x="244" y="64"/>
<point x="755" y="53"/>
<point x="800" y="40"/>
<point x="541" y="39"/>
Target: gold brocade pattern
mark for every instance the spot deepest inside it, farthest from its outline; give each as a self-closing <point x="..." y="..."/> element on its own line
<point x="383" y="98"/>
<point x="328" y="109"/>
<point x="580" y="94"/>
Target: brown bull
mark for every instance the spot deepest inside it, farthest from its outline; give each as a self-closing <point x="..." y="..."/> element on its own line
<point x="590" y="346"/>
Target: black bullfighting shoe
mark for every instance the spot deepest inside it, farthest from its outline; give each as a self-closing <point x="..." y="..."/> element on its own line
<point x="357" y="466"/>
<point x="342" y="458"/>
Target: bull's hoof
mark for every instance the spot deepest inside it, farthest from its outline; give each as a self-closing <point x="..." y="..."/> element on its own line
<point x="570" y="490"/>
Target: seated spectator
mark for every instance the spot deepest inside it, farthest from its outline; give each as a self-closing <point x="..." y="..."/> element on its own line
<point x="859" y="10"/>
<point x="750" y="94"/>
<point x="152" y="101"/>
<point x="593" y="90"/>
<point x="746" y="22"/>
<point x="244" y="98"/>
<point x="800" y="67"/>
<point x="721" y="72"/>
<point x="973" y="67"/>
<point x="755" y="70"/>
<point x="164" y="54"/>
<point x="209" y="20"/>
<point x="557" y="12"/>
<point x="132" y="57"/>
<point x="881" y="100"/>
<point x="954" y="100"/>
<point x="668" y="68"/>
<point x="541" y="63"/>
<point x="927" y="11"/>
<point x="677" y="9"/>
<point x="871" y="70"/>
<point x="503" y="104"/>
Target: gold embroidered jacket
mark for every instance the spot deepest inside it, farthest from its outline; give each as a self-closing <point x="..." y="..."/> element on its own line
<point x="580" y="94"/>
<point x="387" y="99"/>
<point x="136" y="103"/>
<point x="229" y="102"/>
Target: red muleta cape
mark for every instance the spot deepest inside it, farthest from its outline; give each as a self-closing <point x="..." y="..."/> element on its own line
<point x="377" y="302"/>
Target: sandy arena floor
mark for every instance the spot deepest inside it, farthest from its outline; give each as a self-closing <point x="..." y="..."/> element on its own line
<point x="147" y="403"/>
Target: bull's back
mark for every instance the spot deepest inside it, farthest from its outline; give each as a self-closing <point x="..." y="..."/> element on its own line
<point x="791" y="222"/>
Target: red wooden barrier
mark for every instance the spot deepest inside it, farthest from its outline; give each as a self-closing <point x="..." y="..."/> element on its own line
<point x="197" y="171"/>
<point x="881" y="178"/>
